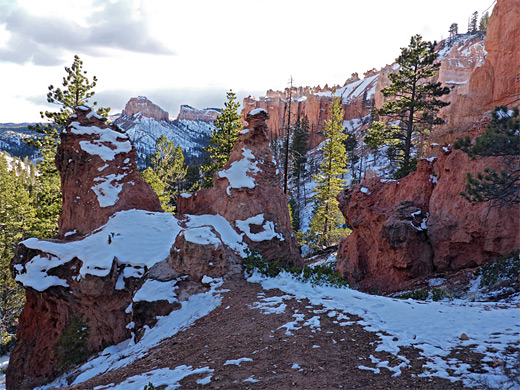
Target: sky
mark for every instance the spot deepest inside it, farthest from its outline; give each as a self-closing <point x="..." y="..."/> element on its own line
<point x="191" y="52"/>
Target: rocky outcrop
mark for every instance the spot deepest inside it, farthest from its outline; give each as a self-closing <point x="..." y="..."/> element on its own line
<point x="118" y="262"/>
<point x="141" y="105"/>
<point x="496" y="82"/>
<point x="388" y="243"/>
<point x="420" y="225"/>
<point x="192" y="114"/>
<point x="314" y="103"/>
<point x="248" y="194"/>
<point x="98" y="174"/>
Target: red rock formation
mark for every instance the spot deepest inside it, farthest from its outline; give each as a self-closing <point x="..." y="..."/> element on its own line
<point x="141" y="105"/>
<point x="247" y="193"/>
<point x="388" y="248"/>
<point x="496" y="82"/>
<point x="457" y="234"/>
<point x="193" y="114"/>
<point x="388" y="243"/>
<point x="98" y="173"/>
<point x="200" y="251"/>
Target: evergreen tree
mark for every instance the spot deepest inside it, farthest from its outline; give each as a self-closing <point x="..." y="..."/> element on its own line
<point x="166" y="172"/>
<point x="222" y="140"/>
<point x="501" y="139"/>
<point x="299" y="148"/>
<point x="454" y="29"/>
<point x="484" y="21"/>
<point x="77" y="90"/>
<point x="472" y="26"/>
<point x="325" y="225"/>
<point x="17" y="216"/>
<point x="414" y="103"/>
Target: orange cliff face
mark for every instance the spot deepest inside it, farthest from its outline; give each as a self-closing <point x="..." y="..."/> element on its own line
<point x="410" y="229"/>
<point x="459" y="57"/>
<point x="494" y="82"/>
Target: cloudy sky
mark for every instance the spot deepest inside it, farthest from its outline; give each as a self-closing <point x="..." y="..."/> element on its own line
<point x="192" y="51"/>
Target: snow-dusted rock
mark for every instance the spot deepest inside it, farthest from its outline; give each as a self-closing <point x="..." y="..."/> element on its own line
<point x="99" y="175"/>
<point x="248" y="194"/>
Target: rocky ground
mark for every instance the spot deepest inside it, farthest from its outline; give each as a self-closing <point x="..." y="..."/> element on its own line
<point x="327" y="357"/>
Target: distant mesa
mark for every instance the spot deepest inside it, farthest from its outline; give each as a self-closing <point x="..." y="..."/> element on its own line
<point x="143" y="106"/>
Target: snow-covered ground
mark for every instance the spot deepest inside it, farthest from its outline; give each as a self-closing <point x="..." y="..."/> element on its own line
<point x="435" y="329"/>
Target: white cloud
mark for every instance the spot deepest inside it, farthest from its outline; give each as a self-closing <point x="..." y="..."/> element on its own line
<point x="249" y="45"/>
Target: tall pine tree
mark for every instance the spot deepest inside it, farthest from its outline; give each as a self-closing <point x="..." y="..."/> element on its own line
<point x="326" y="223"/>
<point x="222" y="140"/>
<point x="414" y="103"/>
<point x="299" y="148"/>
<point x="77" y="90"/>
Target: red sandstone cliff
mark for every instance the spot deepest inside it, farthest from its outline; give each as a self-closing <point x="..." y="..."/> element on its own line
<point x="146" y="108"/>
<point x="421" y="224"/>
<point x="193" y="114"/>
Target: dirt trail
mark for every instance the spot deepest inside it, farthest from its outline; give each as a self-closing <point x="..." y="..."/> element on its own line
<point x="309" y="358"/>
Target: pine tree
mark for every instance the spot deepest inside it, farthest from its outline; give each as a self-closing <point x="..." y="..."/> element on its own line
<point x="17" y="216"/>
<point x="472" y="26"/>
<point x="222" y="139"/>
<point x="484" y="21"/>
<point x="325" y="225"/>
<point x="299" y="148"/>
<point x="414" y="103"/>
<point x="454" y="29"/>
<point x="501" y="139"/>
<point x="77" y="90"/>
<point x="166" y="172"/>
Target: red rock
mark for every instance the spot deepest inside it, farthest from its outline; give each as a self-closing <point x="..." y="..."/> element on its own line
<point x="254" y="203"/>
<point x="141" y="105"/>
<point x="383" y="253"/>
<point x="189" y="255"/>
<point x="96" y="160"/>
<point x="387" y="244"/>
<point x="193" y="114"/>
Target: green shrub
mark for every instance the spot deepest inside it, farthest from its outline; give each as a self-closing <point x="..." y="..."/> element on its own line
<point x="507" y="267"/>
<point x="420" y="295"/>
<point x="72" y="348"/>
<point x="318" y="275"/>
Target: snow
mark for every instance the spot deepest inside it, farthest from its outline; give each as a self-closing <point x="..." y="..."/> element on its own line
<point x="98" y="146"/>
<point x="433" y="328"/>
<point x="204" y="381"/>
<point x="4" y="361"/>
<point x="355" y="90"/>
<point x="107" y="191"/>
<point x="365" y="190"/>
<point x="202" y="235"/>
<point x="135" y="238"/>
<point x="271" y="305"/>
<point x="36" y="276"/>
<point x="267" y="234"/>
<point x="155" y="290"/>
<point x="159" y="377"/>
<point x="237" y="172"/>
<point x="228" y="235"/>
<point x="125" y="353"/>
<point x="237" y="362"/>
<point x="245" y="131"/>
<point x="185" y="195"/>
<point x="257" y="111"/>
